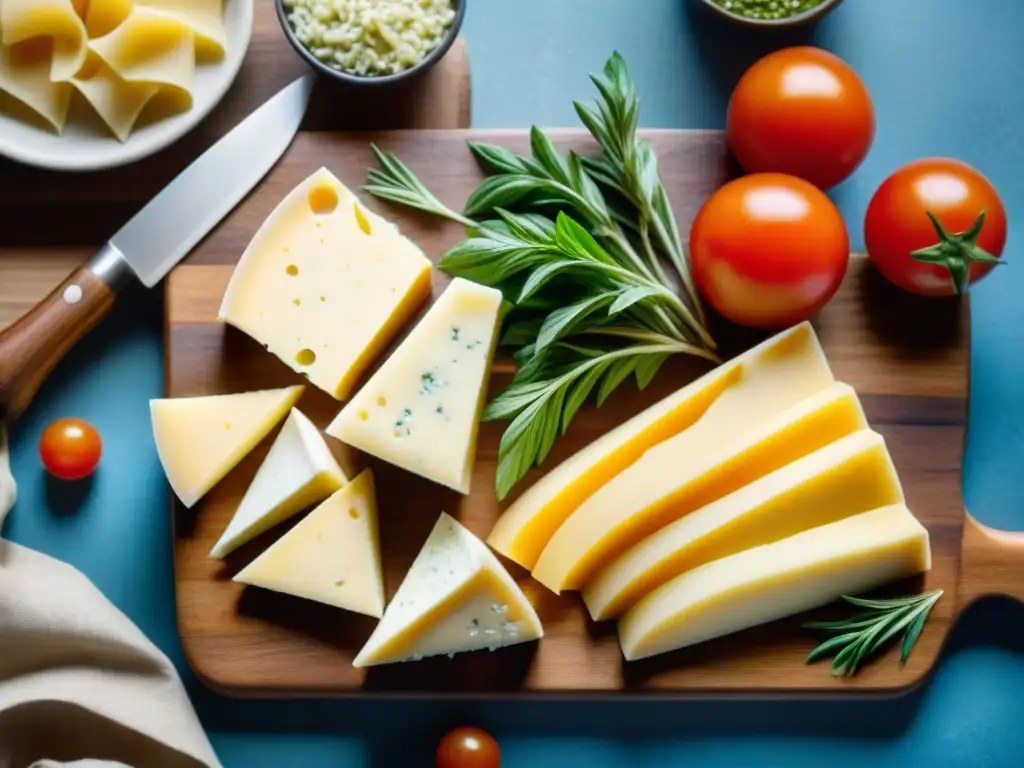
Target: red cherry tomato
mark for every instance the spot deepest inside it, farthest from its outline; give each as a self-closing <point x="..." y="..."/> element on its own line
<point x="897" y="224"/>
<point x="768" y="250"/>
<point x="802" y="111"/>
<point x="468" y="747"/>
<point x="70" y="449"/>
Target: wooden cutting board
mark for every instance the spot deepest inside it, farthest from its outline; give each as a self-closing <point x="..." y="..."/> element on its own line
<point x="907" y="358"/>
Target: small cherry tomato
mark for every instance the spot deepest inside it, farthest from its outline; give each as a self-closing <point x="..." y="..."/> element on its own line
<point x="768" y="250"/>
<point x="929" y="258"/>
<point x="801" y="111"/>
<point x="70" y="449"/>
<point x="468" y="747"/>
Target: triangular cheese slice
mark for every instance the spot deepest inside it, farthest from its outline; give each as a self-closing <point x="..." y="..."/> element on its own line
<point x="201" y="439"/>
<point x="455" y="598"/>
<point x="299" y="471"/>
<point x="421" y="410"/>
<point x="332" y="555"/>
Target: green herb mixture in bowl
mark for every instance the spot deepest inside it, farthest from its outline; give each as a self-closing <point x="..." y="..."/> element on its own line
<point x="371" y="40"/>
<point x="775" y="13"/>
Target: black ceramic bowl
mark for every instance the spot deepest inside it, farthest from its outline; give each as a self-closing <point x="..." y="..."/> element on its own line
<point x="791" y="21"/>
<point x="427" y="62"/>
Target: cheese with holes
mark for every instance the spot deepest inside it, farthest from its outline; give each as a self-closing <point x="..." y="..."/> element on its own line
<point x="298" y="471"/>
<point x="326" y="284"/>
<point x="201" y="439"/>
<point x="852" y="475"/>
<point x="770" y="582"/>
<point x="526" y="527"/>
<point x="331" y="556"/>
<point x="421" y="409"/>
<point x="455" y="598"/>
<point x="755" y="427"/>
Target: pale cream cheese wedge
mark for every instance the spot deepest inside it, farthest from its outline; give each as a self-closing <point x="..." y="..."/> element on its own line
<point x="527" y="526"/>
<point x="331" y="556"/>
<point x="744" y="435"/>
<point x="421" y="409"/>
<point x="326" y="284"/>
<point x="201" y="439"/>
<point x="455" y="598"/>
<point x="298" y="471"/>
<point x="852" y="475"/>
<point x="776" y="580"/>
<point x="8" y="488"/>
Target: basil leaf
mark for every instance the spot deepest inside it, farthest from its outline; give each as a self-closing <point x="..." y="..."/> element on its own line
<point x="500" y="159"/>
<point x="500" y="192"/>
<point x="561" y="322"/>
<point x="547" y="157"/>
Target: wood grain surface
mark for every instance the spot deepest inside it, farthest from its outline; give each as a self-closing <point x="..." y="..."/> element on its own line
<point x="906" y="357"/>
<point x="51" y="222"/>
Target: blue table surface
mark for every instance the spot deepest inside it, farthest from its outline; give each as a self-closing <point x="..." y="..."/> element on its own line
<point x="946" y="80"/>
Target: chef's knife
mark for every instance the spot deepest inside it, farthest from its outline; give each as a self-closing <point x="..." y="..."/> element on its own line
<point x="153" y="241"/>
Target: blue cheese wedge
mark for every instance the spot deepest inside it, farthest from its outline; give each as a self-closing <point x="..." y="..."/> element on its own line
<point x="326" y="284"/>
<point x="331" y="556"/>
<point x="299" y="471"/>
<point x="455" y="598"/>
<point x="421" y="410"/>
<point x="201" y="439"/>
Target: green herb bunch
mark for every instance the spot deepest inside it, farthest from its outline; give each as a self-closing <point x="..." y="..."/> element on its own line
<point x="579" y="248"/>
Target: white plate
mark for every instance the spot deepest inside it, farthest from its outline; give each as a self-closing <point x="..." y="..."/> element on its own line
<point x="87" y="144"/>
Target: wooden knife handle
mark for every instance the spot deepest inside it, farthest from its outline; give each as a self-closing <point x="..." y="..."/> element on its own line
<point x="31" y="347"/>
<point x="991" y="563"/>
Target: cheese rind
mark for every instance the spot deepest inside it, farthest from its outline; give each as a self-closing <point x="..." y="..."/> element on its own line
<point x="455" y="598"/>
<point x="326" y="284"/>
<point x="854" y="474"/>
<point x="298" y="471"/>
<point x="331" y="556"/>
<point x="421" y="409"/>
<point x="776" y="580"/>
<point x="716" y="456"/>
<point x="526" y="527"/>
<point x="201" y="439"/>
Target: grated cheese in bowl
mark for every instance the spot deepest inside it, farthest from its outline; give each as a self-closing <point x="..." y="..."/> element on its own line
<point x="370" y="38"/>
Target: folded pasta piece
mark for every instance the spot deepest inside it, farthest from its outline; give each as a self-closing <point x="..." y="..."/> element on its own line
<point x="204" y="17"/>
<point x="57" y="20"/>
<point x="25" y="75"/>
<point x="118" y="103"/>
<point x="150" y="47"/>
<point x="103" y="16"/>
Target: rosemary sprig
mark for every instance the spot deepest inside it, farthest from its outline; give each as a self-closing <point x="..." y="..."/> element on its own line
<point x="576" y="246"/>
<point x="857" y="638"/>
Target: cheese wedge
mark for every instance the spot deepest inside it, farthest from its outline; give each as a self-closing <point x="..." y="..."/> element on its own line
<point x="526" y="527"/>
<point x="714" y="457"/>
<point x="421" y="409"/>
<point x="201" y="439"/>
<point x="776" y="580"/>
<point x="852" y="475"/>
<point x="331" y="556"/>
<point x="298" y="471"/>
<point x="326" y="284"/>
<point x="455" y="598"/>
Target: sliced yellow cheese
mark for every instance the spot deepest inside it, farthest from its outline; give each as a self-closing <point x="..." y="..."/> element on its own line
<point x="421" y="409"/>
<point x="733" y="444"/>
<point x="331" y="556"/>
<point x="103" y="16"/>
<point x="298" y="471"/>
<point x="118" y="103"/>
<point x="25" y="75"/>
<point x="201" y="439"/>
<point x="852" y="475"/>
<point x="150" y="47"/>
<point x="326" y="284"/>
<point x="204" y="17"/>
<point x="57" y="20"/>
<point x="526" y="527"/>
<point x="776" y="580"/>
<point x="455" y="598"/>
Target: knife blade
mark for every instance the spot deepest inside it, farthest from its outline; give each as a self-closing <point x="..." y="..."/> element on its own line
<point x="153" y="241"/>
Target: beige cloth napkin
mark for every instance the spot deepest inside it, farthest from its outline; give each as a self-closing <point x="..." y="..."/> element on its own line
<point x="80" y="685"/>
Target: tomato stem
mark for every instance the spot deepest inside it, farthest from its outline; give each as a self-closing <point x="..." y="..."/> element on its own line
<point x="956" y="252"/>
